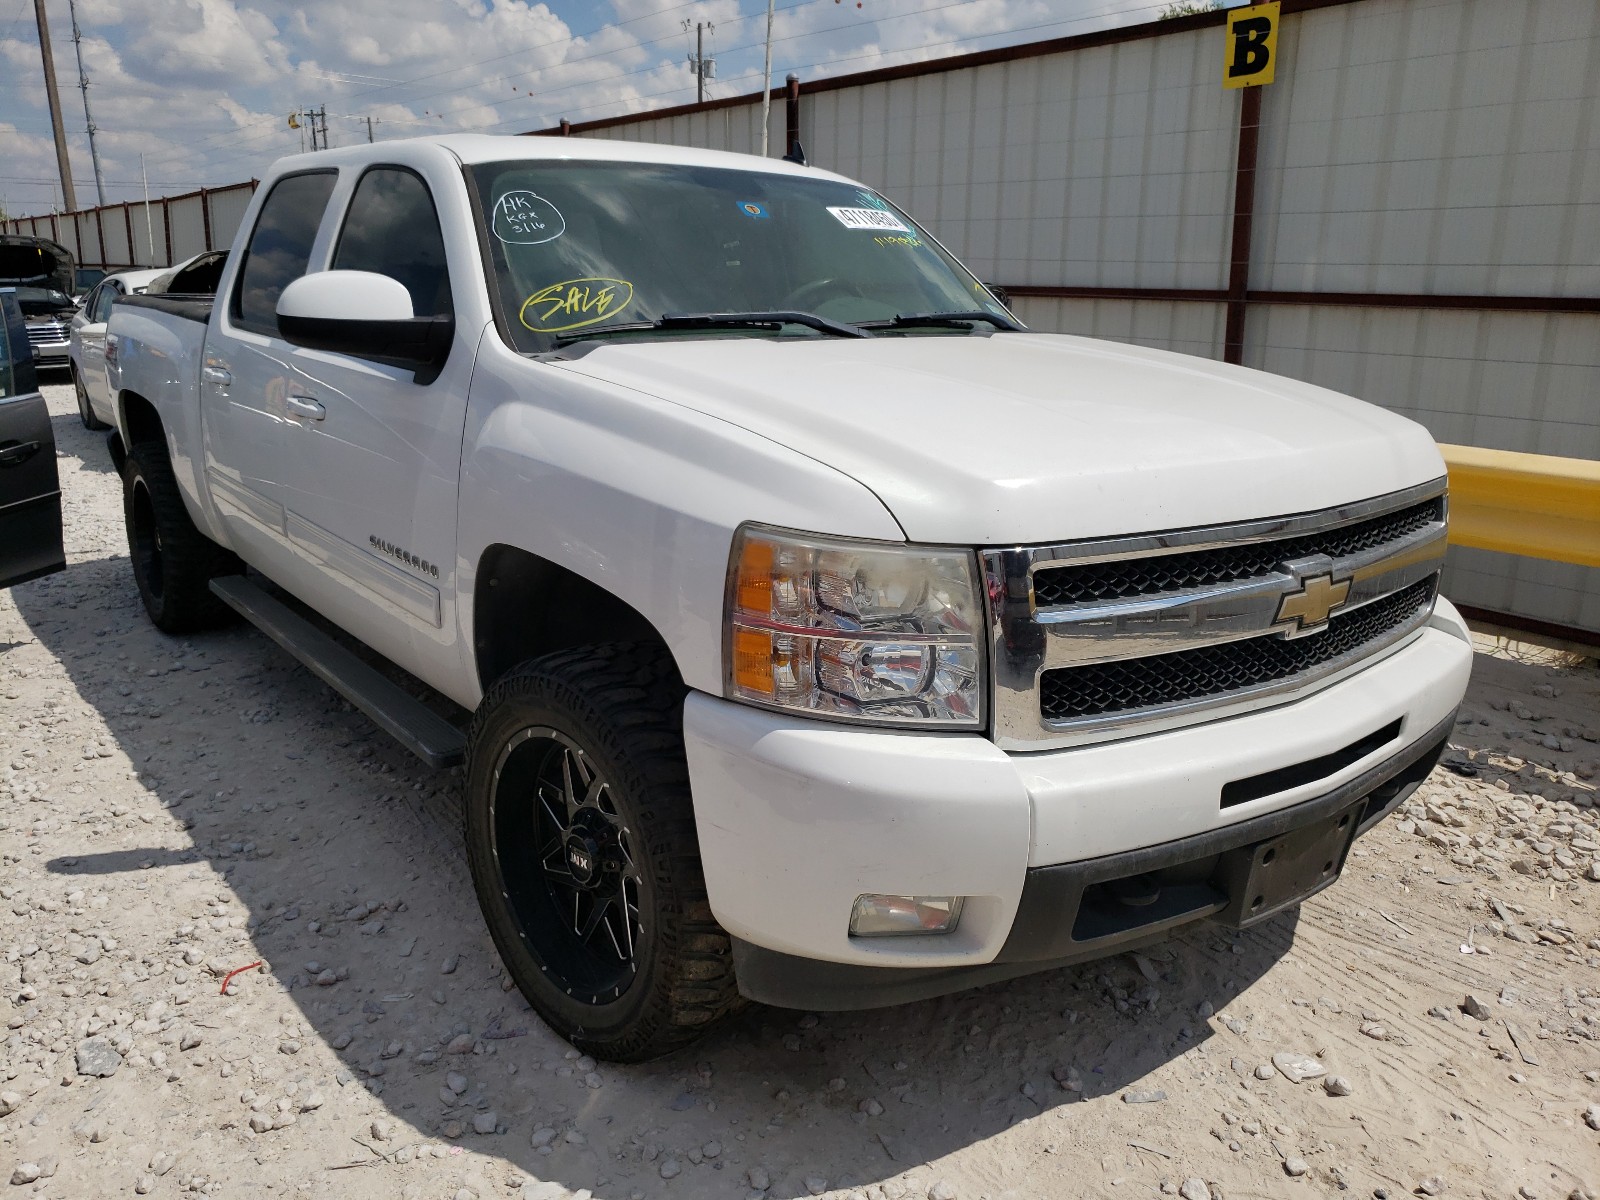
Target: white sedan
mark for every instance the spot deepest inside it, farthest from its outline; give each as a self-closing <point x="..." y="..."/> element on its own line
<point x="86" y="342"/>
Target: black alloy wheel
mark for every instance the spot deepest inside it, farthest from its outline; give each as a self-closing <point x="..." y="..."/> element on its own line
<point x="567" y="855"/>
<point x="581" y="838"/>
<point x="144" y="541"/>
<point x="173" y="562"/>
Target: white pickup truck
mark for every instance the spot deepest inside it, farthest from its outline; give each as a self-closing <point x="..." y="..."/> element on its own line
<point x="830" y="639"/>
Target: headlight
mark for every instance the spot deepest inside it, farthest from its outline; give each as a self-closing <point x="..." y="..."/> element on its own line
<point x="855" y="630"/>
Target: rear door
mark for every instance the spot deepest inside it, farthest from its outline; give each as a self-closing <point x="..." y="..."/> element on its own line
<point x="372" y="457"/>
<point x="30" y="490"/>
<point x="246" y="376"/>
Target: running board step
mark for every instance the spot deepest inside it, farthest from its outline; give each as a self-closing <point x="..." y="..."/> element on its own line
<point x="417" y="727"/>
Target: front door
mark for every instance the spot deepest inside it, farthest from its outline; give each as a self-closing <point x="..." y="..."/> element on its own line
<point x="372" y="457"/>
<point x="30" y="490"/>
<point x="92" y="344"/>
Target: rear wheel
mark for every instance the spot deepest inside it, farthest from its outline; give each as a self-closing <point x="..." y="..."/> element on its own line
<point x="173" y="562"/>
<point x="581" y="838"/>
<point x="85" y="409"/>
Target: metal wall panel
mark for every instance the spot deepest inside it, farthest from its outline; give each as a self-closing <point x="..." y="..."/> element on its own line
<point x="188" y="228"/>
<point x="227" y="212"/>
<point x="116" y="227"/>
<point x="1110" y="166"/>
<point x="1527" y="587"/>
<point x="1508" y="381"/>
<point x="1426" y="146"/>
<point x="1185" y="327"/>
<point x="736" y="128"/>
<point x="66" y="235"/>
<point x="149" y="240"/>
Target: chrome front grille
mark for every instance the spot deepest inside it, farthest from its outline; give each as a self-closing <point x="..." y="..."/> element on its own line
<point x="1095" y="640"/>
<point x="1218" y="671"/>
<point x="47" y="333"/>
<point x="1200" y="568"/>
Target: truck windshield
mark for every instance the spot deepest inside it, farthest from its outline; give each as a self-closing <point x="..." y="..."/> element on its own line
<point x="577" y="247"/>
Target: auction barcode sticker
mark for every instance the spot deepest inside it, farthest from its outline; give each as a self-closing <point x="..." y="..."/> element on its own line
<point x="869" y="218"/>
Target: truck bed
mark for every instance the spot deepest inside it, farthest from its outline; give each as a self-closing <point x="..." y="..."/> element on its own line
<point x="190" y="308"/>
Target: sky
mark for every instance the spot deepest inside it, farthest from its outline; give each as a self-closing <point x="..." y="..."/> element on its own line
<point x="202" y="88"/>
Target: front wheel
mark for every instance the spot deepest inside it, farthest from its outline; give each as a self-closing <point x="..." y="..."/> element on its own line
<point x="581" y="838"/>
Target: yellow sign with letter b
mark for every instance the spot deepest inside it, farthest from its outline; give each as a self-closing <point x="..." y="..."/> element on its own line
<point x="1251" y="58"/>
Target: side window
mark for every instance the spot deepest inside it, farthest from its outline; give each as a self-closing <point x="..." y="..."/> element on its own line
<point x="279" y="248"/>
<point x="392" y="228"/>
<point x="8" y="380"/>
<point x="103" y="300"/>
<point x="16" y="356"/>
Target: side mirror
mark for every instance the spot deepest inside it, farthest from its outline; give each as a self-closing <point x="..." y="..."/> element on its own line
<point x="365" y="315"/>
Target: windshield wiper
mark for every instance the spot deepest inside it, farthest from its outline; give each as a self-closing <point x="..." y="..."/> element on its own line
<point x="738" y="320"/>
<point x="945" y="319"/>
<point x="720" y="320"/>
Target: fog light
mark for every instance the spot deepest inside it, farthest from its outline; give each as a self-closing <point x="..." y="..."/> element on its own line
<point x="887" y="916"/>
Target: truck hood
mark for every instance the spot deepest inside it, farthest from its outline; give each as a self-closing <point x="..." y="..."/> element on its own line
<point x="35" y="262"/>
<point x="1027" y="438"/>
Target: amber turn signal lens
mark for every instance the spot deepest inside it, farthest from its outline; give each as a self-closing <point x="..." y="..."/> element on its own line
<point x="755" y="576"/>
<point x="752" y="660"/>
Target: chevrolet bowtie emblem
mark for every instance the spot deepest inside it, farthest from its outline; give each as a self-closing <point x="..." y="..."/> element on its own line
<point x="1308" y="608"/>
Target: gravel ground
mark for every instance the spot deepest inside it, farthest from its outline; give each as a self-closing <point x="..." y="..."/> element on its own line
<point x="174" y="810"/>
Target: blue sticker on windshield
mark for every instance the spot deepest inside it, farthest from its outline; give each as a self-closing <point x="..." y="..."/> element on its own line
<point x="751" y="209"/>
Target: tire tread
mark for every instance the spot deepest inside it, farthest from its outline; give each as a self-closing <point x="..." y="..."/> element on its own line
<point x="635" y="696"/>
<point x="189" y="559"/>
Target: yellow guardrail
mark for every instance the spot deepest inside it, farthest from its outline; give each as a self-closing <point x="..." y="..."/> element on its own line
<point x="1533" y="504"/>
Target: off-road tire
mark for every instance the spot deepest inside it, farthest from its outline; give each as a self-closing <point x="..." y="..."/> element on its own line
<point x="85" y="409"/>
<point x="622" y="706"/>
<point x="173" y="562"/>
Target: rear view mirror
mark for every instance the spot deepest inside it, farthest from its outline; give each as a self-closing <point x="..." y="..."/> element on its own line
<point x="365" y="315"/>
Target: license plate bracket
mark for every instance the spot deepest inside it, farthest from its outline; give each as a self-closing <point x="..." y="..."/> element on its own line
<point x="1269" y="876"/>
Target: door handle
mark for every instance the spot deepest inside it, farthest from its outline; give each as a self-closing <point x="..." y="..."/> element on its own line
<point x="306" y="408"/>
<point x="18" y="453"/>
<point x="220" y="376"/>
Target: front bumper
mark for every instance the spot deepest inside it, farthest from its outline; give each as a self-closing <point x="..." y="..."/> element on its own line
<point x="1072" y="913"/>
<point x="51" y="354"/>
<point x="797" y="818"/>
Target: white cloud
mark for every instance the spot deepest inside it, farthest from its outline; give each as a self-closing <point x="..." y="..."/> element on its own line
<point x="201" y="88"/>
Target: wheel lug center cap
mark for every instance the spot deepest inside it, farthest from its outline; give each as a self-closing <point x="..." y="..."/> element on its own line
<point x="583" y="857"/>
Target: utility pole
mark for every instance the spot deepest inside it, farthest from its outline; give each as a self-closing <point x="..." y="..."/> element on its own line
<point x="369" y="129"/>
<point x="149" y="225"/>
<point x="766" y="83"/>
<point x="67" y="194"/>
<point x="316" y="118"/>
<point x="88" y="119"/>
<point x="704" y="68"/>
